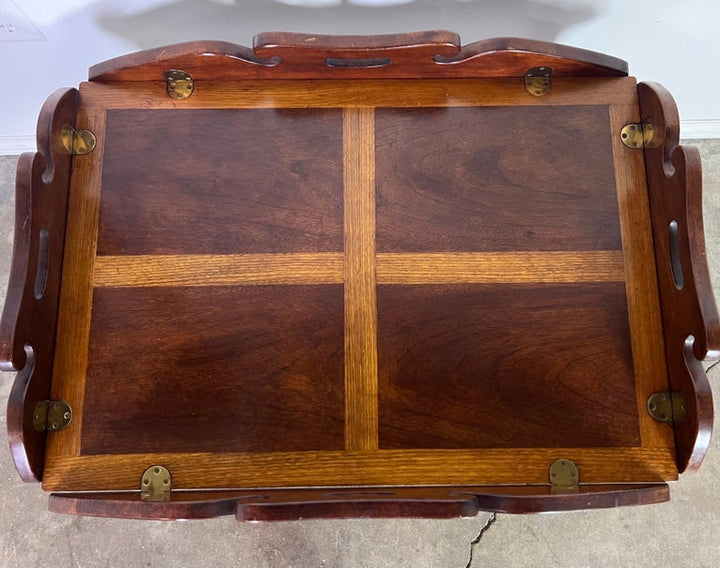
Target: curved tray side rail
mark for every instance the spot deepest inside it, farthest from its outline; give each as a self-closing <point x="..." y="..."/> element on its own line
<point x="690" y="318"/>
<point x="418" y="55"/>
<point x="28" y="324"/>
<point x="368" y="502"/>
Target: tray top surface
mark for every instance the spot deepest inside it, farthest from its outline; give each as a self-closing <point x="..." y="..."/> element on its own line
<point x="422" y="280"/>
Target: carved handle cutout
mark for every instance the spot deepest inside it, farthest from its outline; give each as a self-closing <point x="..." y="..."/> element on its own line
<point x="345" y="62"/>
<point x="41" y="272"/>
<point x="421" y="55"/>
<point x="691" y="325"/>
<point x="675" y="262"/>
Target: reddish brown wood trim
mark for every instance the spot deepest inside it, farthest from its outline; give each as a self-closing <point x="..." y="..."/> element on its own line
<point x="534" y="499"/>
<point x="430" y="54"/>
<point x="27" y="327"/>
<point x="183" y="505"/>
<point x="690" y="318"/>
<point x="382" y="502"/>
<point x="483" y="57"/>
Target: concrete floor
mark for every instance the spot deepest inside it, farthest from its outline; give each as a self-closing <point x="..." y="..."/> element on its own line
<point x="683" y="532"/>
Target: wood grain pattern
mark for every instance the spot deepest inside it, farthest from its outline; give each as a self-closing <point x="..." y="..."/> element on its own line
<point x="276" y="189"/>
<point x="278" y="55"/>
<point x="690" y="318"/>
<point x="646" y="335"/>
<point x="360" y="302"/>
<point x="382" y="467"/>
<point x="219" y="270"/>
<point x="359" y="93"/>
<point x="490" y="366"/>
<point x="381" y="502"/>
<point x="219" y="369"/>
<point x="327" y="268"/>
<point x="507" y="267"/>
<point x="73" y="329"/>
<point x="29" y="315"/>
<point x="519" y="180"/>
<point x="238" y="304"/>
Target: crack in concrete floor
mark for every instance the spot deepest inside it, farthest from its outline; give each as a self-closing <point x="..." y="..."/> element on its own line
<point x="488" y="523"/>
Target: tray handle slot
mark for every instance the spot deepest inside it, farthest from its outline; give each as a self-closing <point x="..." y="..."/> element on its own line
<point x="416" y="55"/>
<point x="690" y="320"/>
<point x="29" y="317"/>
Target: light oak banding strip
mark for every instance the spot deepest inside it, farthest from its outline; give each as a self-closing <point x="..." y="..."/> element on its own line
<point x="382" y="467"/>
<point x="219" y="270"/>
<point x="75" y="307"/>
<point x="646" y="334"/>
<point x="361" y="414"/>
<point x="328" y="268"/>
<point x="500" y="267"/>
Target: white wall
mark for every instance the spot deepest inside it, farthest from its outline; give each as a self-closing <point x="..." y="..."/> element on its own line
<point x="45" y="45"/>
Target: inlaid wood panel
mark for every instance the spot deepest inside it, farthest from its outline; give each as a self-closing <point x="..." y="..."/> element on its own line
<point x="382" y="467"/>
<point x="495" y="179"/>
<point x="352" y="295"/>
<point x="219" y="369"/>
<point x="222" y="181"/>
<point x="500" y="267"/>
<point x="218" y="269"/>
<point x="501" y="366"/>
<point x="360" y="281"/>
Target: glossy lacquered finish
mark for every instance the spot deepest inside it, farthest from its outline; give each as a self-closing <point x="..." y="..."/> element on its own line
<point x="320" y="287"/>
<point x="29" y="317"/>
<point x="690" y="316"/>
<point x="421" y="55"/>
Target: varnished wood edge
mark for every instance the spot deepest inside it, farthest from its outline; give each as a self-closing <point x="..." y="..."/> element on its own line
<point x="27" y="327"/>
<point x="366" y="502"/>
<point x="707" y="343"/>
<point x="131" y="506"/>
<point x="691" y="325"/>
<point x="299" y="45"/>
<point x="502" y="499"/>
<point x="682" y="170"/>
<point x="699" y="408"/>
<point x="26" y="465"/>
<point x="35" y="181"/>
<point x="11" y="359"/>
<point x="576" y="62"/>
<point x="429" y="54"/>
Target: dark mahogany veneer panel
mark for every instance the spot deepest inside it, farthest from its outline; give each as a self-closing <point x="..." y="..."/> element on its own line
<point x="236" y="369"/>
<point x="222" y="181"/>
<point x="495" y="179"/>
<point x="505" y="366"/>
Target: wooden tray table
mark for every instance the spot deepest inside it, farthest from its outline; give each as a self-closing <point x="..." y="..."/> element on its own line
<point x="358" y="276"/>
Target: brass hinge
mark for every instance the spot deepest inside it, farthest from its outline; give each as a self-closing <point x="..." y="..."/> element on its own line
<point x="640" y="135"/>
<point x="666" y="407"/>
<point x="564" y="477"/>
<point x="180" y="85"/>
<point x="78" y="142"/>
<point x="537" y="81"/>
<point x="156" y="484"/>
<point x="51" y="416"/>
